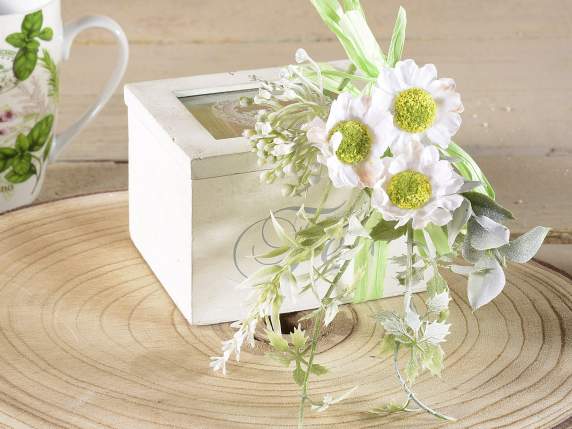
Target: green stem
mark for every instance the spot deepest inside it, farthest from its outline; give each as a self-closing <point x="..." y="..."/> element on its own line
<point x="317" y="320"/>
<point x="407" y="302"/>
<point x="323" y="200"/>
<point x="410" y="395"/>
<point x="409" y="270"/>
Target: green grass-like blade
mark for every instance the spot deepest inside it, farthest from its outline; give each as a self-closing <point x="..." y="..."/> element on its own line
<point x="397" y="39"/>
<point x="469" y="169"/>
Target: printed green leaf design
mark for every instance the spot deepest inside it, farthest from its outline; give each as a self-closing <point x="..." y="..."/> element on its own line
<point x="54" y="81"/>
<point x="39" y="134"/>
<point x="19" y="160"/>
<point x="33" y="22"/>
<point x="18" y="40"/>
<point x="46" y="34"/>
<point x="25" y="63"/>
<point x="27" y="45"/>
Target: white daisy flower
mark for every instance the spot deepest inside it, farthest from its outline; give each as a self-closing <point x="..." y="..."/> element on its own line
<point x="416" y="185"/>
<point x="422" y="105"/>
<point x="352" y="141"/>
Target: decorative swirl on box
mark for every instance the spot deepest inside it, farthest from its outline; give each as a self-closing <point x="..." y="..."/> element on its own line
<point x="254" y="239"/>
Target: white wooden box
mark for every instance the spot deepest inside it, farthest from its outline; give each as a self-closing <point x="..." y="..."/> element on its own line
<point x="197" y="210"/>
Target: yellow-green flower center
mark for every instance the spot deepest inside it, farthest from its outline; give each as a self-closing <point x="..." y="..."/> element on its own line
<point x="409" y="189"/>
<point x="414" y="110"/>
<point x="356" y="141"/>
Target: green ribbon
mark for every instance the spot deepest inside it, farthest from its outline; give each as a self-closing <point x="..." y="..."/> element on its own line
<point x="370" y="265"/>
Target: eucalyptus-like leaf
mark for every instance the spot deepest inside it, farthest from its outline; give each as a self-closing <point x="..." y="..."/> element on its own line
<point x="523" y="248"/>
<point x="484" y="233"/>
<point x="460" y="218"/>
<point x="486" y="282"/>
<point x="483" y="205"/>
<point x="464" y="270"/>
<point x="469" y="252"/>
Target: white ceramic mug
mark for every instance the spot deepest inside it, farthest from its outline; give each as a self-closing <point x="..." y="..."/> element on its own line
<point x="33" y="43"/>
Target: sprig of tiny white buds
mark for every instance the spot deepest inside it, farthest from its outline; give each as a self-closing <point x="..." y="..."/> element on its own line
<point x="279" y="138"/>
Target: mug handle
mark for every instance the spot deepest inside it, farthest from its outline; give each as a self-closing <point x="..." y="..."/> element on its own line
<point x="71" y="30"/>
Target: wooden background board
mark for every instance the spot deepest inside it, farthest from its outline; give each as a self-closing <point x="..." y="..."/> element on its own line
<point x="511" y="60"/>
<point x="90" y="339"/>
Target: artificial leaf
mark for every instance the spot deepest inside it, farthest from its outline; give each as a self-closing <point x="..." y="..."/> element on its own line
<point x="435" y="332"/>
<point x="460" y="218"/>
<point x="318" y="369"/>
<point x="298" y="338"/>
<point x="331" y="312"/>
<point x="17" y="40"/>
<point x="288" y="284"/>
<point x="432" y="359"/>
<point x="277" y="342"/>
<point x="285" y="239"/>
<point x="299" y="375"/>
<point x="274" y="252"/>
<point x="483" y="205"/>
<point x="484" y="233"/>
<point x="412" y="320"/>
<point x="356" y="229"/>
<point x="438" y="302"/>
<point x="436" y="285"/>
<point x="411" y="369"/>
<point x="387" y="345"/>
<point x="386" y="231"/>
<point x="397" y="39"/>
<point x="281" y="358"/>
<point x="469" y="252"/>
<point x="523" y="248"/>
<point x="486" y="282"/>
<point x="469" y="169"/>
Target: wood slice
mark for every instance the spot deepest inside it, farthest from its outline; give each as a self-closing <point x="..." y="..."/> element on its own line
<point x="88" y="338"/>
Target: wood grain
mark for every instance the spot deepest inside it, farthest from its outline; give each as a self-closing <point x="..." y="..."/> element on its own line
<point x="89" y="339"/>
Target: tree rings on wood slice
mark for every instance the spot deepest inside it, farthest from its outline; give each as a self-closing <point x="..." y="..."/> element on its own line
<point x="88" y="338"/>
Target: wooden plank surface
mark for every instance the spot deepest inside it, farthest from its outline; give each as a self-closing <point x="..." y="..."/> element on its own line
<point x="89" y="339"/>
<point x="511" y="60"/>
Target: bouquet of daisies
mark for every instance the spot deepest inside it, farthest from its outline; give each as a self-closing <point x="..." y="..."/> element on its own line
<point x="382" y="127"/>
